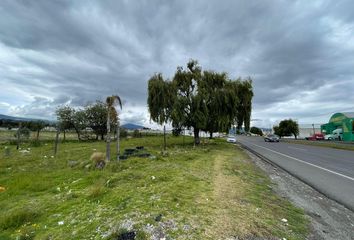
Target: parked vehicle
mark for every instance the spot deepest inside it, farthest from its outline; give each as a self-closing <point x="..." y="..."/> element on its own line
<point x="316" y="137"/>
<point x="338" y="134"/>
<point x="328" y="137"/>
<point x="231" y="139"/>
<point x="271" y="138"/>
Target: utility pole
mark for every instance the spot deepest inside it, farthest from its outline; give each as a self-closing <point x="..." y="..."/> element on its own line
<point x="313" y="127"/>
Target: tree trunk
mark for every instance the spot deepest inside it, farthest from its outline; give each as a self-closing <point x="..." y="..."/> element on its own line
<point x="118" y="143"/>
<point x="38" y="134"/>
<point x="56" y="143"/>
<point x="78" y="135"/>
<point x="18" y="136"/>
<point x="108" y="137"/>
<point x="211" y="135"/>
<point x="64" y="135"/>
<point x="164" y="137"/>
<point x="96" y="137"/>
<point x="196" y="136"/>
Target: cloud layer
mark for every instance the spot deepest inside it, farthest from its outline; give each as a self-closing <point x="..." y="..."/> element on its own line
<point x="299" y="53"/>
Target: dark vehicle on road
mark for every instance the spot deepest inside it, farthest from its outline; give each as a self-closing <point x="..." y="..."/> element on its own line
<point x="271" y="138"/>
<point x="316" y="137"/>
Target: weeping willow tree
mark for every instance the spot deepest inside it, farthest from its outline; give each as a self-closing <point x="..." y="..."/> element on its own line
<point x="112" y="116"/>
<point x="245" y="94"/>
<point x="221" y="100"/>
<point x="160" y="100"/>
<point x="196" y="100"/>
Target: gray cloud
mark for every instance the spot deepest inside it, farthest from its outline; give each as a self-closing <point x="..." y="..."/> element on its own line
<point x="298" y="53"/>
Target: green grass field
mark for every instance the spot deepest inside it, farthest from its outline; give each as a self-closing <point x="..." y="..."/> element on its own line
<point x="213" y="191"/>
<point x="328" y="144"/>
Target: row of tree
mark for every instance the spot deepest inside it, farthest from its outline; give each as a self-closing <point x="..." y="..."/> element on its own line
<point x="94" y="116"/>
<point x="100" y="117"/>
<point x="202" y="100"/>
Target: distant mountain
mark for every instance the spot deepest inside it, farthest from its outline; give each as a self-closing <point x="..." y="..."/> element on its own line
<point x="20" y="119"/>
<point x="132" y="126"/>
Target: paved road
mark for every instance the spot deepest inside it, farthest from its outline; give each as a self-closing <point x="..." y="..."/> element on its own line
<point x="331" y="171"/>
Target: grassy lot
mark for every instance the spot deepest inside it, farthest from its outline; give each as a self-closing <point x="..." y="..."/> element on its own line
<point x="337" y="145"/>
<point x="9" y="135"/>
<point x="209" y="192"/>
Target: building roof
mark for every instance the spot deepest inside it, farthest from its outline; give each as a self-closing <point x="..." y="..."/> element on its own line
<point x="348" y="114"/>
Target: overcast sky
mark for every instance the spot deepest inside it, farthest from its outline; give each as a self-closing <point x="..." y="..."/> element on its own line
<point x="300" y="54"/>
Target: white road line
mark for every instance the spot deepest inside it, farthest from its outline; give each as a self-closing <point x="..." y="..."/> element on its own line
<point x="299" y="160"/>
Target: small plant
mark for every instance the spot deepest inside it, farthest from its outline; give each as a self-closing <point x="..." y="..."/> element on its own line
<point x="26" y="233"/>
<point x="96" y="191"/>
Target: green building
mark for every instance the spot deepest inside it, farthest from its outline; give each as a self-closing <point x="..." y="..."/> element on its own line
<point x="344" y="121"/>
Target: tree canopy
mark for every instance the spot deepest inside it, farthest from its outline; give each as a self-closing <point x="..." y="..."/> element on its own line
<point x="202" y="100"/>
<point x="256" y="130"/>
<point x="287" y="127"/>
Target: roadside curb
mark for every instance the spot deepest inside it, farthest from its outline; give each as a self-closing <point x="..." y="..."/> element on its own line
<point x="267" y="160"/>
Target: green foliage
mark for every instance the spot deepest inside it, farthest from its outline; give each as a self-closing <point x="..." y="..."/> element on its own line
<point x="256" y="130"/>
<point x="176" y="132"/>
<point x="125" y="191"/>
<point x="36" y="126"/>
<point x="245" y="94"/>
<point x="287" y="127"/>
<point x="18" y="217"/>
<point x="24" y="132"/>
<point x="206" y="100"/>
<point x="136" y="133"/>
<point x="71" y="118"/>
<point x="123" y="132"/>
<point x="96" y="115"/>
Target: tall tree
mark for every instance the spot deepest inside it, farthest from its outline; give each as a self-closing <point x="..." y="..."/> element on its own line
<point x="112" y="114"/>
<point x="195" y="99"/>
<point x="96" y="115"/>
<point x="160" y="100"/>
<point x="289" y="127"/>
<point x="245" y="94"/>
<point x="70" y="118"/>
<point x="189" y="107"/>
<point x="36" y="126"/>
<point x="221" y="99"/>
<point x="64" y="117"/>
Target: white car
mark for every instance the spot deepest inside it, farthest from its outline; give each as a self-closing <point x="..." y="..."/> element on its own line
<point x="328" y="137"/>
<point x="231" y="139"/>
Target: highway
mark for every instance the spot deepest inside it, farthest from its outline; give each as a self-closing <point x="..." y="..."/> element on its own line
<point x="330" y="171"/>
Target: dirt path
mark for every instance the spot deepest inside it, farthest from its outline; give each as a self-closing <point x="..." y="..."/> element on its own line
<point x="228" y="194"/>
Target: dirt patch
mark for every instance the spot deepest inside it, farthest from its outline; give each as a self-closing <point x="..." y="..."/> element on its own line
<point x="329" y="220"/>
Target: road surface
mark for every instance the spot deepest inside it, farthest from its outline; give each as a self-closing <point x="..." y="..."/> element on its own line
<point x="330" y="171"/>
